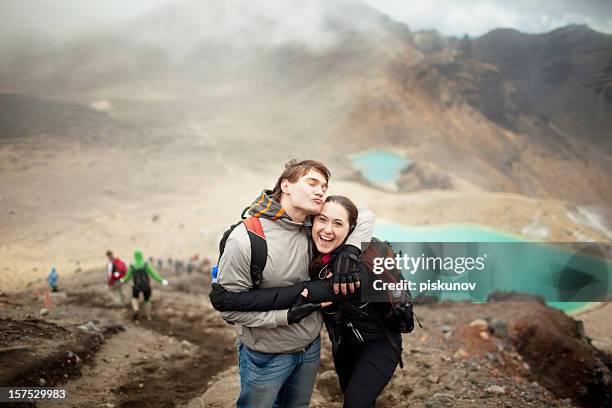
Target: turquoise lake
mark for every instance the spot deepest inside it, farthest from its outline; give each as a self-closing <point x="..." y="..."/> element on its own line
<point x="380" y="166"/>
<point x="516" y="264"/>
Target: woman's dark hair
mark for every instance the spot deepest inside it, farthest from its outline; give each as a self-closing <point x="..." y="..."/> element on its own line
<point x="352" y="212"/>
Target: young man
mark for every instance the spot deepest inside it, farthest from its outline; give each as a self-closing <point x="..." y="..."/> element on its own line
<point x="140" y="271"/>
<point x="115" y="270"/>
<point x="279" y="349"/>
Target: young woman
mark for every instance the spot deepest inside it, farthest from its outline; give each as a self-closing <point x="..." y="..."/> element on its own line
<point x="366" y="349"/>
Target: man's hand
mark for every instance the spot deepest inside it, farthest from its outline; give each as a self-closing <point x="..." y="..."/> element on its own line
<point x="345" y="269"/>
<point x="300" y="309"/>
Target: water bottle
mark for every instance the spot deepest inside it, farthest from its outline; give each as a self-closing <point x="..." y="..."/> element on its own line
<point x="214" y="271"/>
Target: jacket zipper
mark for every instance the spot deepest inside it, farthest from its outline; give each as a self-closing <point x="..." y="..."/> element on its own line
<point x="356" y="332"/>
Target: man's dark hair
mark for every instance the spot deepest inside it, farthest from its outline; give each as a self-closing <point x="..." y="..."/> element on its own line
<point x="294" y="169"/>
<point x="109" y="253"/>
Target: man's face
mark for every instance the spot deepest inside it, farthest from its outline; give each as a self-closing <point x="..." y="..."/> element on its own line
<point x="308" y="193"/>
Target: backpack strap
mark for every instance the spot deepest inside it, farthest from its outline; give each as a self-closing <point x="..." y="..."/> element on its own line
<point x="227" y="233"/>
<point x="259" y="249"/>
<point x="395" y="346"/>
<point x="335" y="331"/>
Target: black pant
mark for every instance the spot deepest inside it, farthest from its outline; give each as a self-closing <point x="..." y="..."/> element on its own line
<point x="146" y="291"/>
<point x="364" y="369"/>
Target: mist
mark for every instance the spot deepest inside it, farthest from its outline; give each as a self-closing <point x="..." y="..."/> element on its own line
<point x="304" y="22"/>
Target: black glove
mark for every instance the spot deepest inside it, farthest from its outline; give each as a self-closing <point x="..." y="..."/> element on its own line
<point x="217" y="296"/>
<point x="300" y="309"/>
<point x="345" y="267"/>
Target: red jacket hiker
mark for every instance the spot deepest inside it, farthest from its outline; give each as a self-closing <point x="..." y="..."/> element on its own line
<point x="116" y="270"/>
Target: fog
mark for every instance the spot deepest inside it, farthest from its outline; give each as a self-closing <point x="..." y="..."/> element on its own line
<point x="261" y="22"/>
<point x="305" y="20"/>
<point x="80" y="48"/>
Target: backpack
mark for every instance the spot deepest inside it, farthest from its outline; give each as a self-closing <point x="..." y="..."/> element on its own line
<point x="259" y="247"/>
<point x="400" y="316"/>
<point x="120" y="268"/>
<point x="141" y="277"/>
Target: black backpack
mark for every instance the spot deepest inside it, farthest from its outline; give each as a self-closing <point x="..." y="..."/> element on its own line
<point x="259" y="247"/>
<point x="141" y="277"/>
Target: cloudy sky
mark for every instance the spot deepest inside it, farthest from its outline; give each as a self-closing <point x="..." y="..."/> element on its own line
<point x="450" y="17"/>
<point x="458" y="17"/>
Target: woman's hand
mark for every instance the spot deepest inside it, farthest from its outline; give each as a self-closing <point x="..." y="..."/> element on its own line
<point x="346" y="270"/>
<point x="217" y="296"/>
<point x="300" y="309"/>
<point x="323" y="304"/>
<point x="342" y="286"/>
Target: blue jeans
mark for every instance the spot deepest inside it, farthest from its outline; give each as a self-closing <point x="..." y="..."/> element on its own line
<point x="277" y="379"/>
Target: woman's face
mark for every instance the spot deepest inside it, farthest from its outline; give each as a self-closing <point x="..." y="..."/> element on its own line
<point x="330" y="227"/>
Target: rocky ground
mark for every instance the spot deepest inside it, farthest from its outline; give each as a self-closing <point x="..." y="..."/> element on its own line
<point x="102" y="358"/>
<point x="496" y="354"/>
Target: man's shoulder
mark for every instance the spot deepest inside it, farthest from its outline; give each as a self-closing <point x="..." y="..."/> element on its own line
<point x="267" y="224"/>
<point x="239" y="235"/>
<point x="240" y="231"/>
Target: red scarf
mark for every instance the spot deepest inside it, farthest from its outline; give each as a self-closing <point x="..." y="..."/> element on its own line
<point x="326" y="258"/>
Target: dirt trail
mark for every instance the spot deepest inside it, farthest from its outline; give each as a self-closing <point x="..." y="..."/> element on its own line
<point x="102" y="358"/>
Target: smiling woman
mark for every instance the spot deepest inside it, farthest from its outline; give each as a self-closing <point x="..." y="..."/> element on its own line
<point x="366" y="348"/>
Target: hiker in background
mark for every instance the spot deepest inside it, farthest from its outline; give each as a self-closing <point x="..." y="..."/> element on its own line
<point x="194" y="263"/>
<point x="52" y="279"/>
<point x="160" y="263"/>
<point x="195" y="258"/>
<point x="140" y="271"/>
<point x="204" y="266"/>
<point x="190" y="265"/>
<point x="116" y="270"/>
<point x="178" y="267"/>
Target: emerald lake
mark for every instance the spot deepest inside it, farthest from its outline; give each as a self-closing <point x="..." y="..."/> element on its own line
<point x="516" y="264"/>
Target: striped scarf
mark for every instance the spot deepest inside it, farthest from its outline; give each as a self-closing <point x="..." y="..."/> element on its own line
<point x="264" y="206"/>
